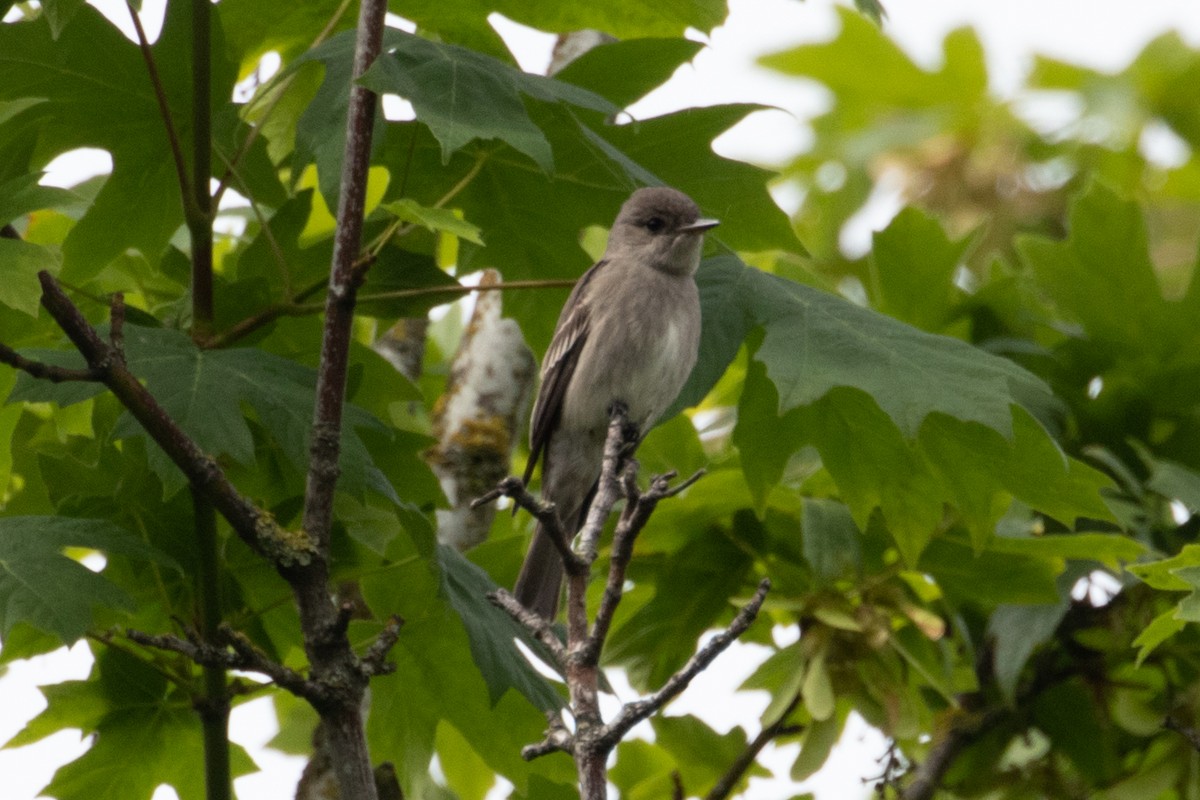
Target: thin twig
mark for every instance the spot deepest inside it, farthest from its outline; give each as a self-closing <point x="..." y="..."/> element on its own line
<point x="164" y="108"/>
<point x="557" y="740"/>
<point x="536" y="624"/>
<point x="635" y="712"/>
<point x="257" y="129"/>
<point x="374" y="661"/>
<point x="238" y="653"/>
<point x="272" y="243"/>
<point x="255" y="526"/>
<point x="48" y="372"/>
<point x="728" y="782"/>
<point x="545" y="513"/>
<point x="609" y="489"/>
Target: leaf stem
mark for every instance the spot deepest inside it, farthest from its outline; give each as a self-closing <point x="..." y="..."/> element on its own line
<point x="297" y="309"/>
<point x="199" y="219"/>
<point x="256" y="130"/>
<point x="164" y="108"/>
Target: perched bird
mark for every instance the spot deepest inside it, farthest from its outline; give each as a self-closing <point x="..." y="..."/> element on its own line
<point x="628" y="334"/>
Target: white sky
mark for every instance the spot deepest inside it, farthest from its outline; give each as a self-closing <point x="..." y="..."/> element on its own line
<point x="1104" y="34"/>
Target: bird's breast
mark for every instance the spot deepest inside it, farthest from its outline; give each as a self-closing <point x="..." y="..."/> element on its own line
<point x="640" y="357"/>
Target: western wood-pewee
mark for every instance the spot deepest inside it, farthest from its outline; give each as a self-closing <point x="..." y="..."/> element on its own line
<point x="628" y="334"/>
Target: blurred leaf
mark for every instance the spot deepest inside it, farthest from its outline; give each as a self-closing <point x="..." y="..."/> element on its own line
<point x="831" y="539"/>
<point x="21" y="262"/>
<point x="819" y="738"/>
<point x="1102" y="276"/>
<point x="1162" y="628"/>
<point x="24" y="194"/>
<point x="990" y="577"/>
<point x="914" y="262"/>
<point x="700" y="754"/>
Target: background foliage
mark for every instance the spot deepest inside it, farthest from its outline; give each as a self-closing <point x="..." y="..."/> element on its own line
<point x="933" y="449"/>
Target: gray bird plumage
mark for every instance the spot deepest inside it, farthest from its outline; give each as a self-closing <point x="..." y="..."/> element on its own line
<point x="628" y="333"/>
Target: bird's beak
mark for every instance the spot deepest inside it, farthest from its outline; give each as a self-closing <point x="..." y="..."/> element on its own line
<point x="700" y="226"/>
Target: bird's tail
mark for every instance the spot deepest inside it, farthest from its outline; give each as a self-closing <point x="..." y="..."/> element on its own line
<point x="540" y="582"/>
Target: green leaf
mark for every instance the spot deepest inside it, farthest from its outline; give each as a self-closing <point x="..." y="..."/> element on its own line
<point x="32" y="390"/>
<point x="700" y="754"/>
<point x="893" y="81"/>
<point x="990" y="577"/>
<point x="831" y="539"/>
<point x="693" y="589"/>
<point x="128" y="709"/>
<point x="1164" y="573"/>
<point x="606" y="71"/>
<point x="435" y="219"/>
<point x="204" y="391"/>
<point x="1102" y="276"/>
<point x="1160" y="629"/>
<point x="492" y="633"/>
<point x="817" y="689"/>
<point x="1068" y="714"/>
<point x="1017" y="632"/>
<point x="24" y="194"/>
<point x="59" y="12"/>
<point x="463" y="95"/>
<point x="815" y="342"/>
<point x="20" y="262"/>
<point x="914" y="262"/>
<point x="53" y="592"/>
<point x="819" y="738"/>
<point x="467" y="20"/>
<point x="1176" y="482"/>
<point x="96" y="94"/>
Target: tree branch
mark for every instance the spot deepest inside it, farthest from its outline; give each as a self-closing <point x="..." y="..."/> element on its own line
<point x="253" y="525"/>
<point x="539" y="627"/>
<point x="728" y="782"/>
<point x="233" y="651"/>
<point x="1186" y="731"/>
<point x="637" y="711"/>
<point x="49" y="372"/>
<point x="330" y="655"/>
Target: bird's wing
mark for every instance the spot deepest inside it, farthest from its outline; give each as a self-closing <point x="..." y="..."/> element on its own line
<point x="558" y="367"/>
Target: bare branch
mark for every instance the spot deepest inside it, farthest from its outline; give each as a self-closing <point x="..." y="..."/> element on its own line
<point x="374" y="661"/>
<point x="240" y="653"/>
<point x="725" y="785"/>
<point x="635" y="712"/>
<point x="617" y="444"/>
<point x="1186" y="731"/>
<point x="537" y="625"/>
<point x="558" y="739"/>
<point x="545" y="513"/>
<point x="255" y="526"/>
<point x="49" y="372"/>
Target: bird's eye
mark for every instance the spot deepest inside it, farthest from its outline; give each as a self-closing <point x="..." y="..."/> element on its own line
<point x="654" y="224"/>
